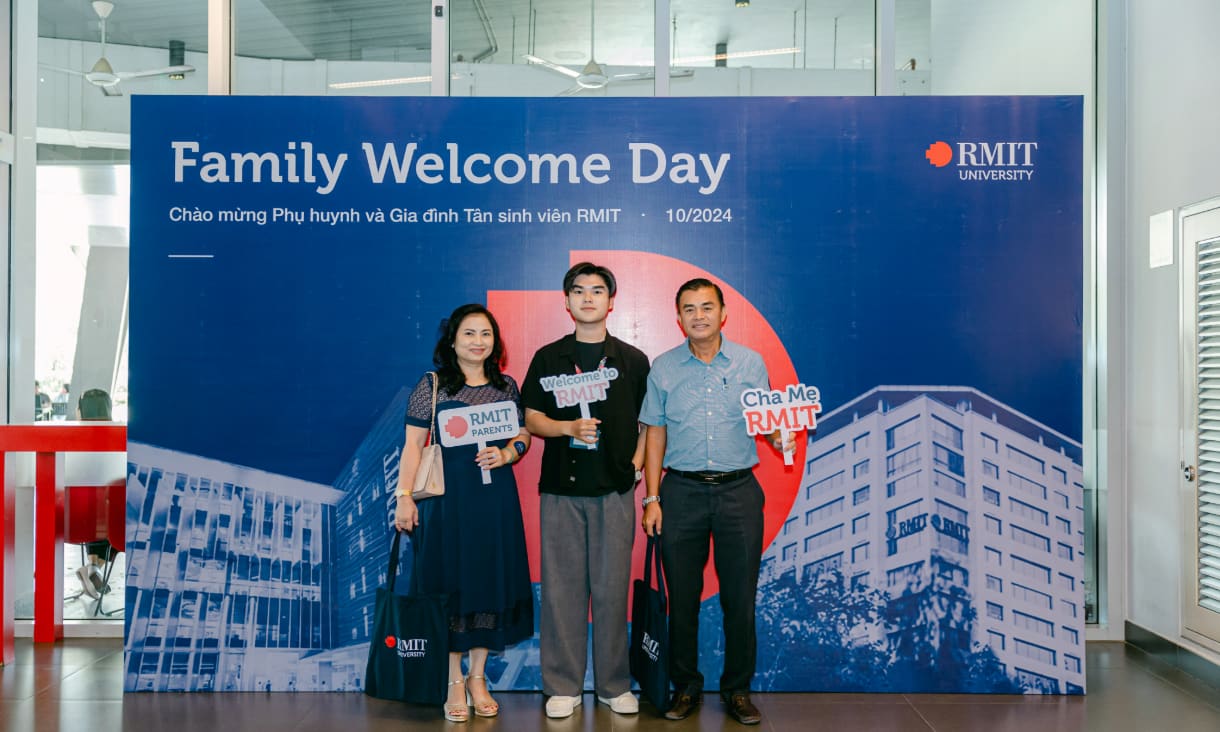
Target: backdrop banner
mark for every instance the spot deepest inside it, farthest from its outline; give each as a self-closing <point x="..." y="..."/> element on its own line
<point x="917" y="260"/>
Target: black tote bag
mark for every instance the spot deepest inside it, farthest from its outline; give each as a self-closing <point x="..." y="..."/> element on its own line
<point x="650" y="631"/>
<point x="409" y="645"/>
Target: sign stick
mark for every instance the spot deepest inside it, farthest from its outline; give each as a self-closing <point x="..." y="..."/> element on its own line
<point x="486" y="473"/>
<point x="783" y="443"/>
<point x="586" y="414"/>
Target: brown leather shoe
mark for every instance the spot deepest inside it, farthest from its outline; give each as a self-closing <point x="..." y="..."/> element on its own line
<point x="683" y="703"/>
<point x="742" y="709"/>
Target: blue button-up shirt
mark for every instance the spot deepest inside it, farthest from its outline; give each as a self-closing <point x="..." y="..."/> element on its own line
<point x="699" y="404"/>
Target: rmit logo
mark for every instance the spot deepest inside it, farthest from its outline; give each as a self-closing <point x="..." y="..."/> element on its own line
<point x="456" y="427"/>
<point x="985" y="160"/>
<point x="408" y="647"/>
<point x="650" y="646"/>
<point x="939" y="153"/>
<point x="995" y="154"/>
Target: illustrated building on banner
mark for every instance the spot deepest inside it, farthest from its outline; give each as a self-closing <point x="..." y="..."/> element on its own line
<point x="242" y="580"/>
<point x="966" y="514"/>
<point x="230" y="579"/>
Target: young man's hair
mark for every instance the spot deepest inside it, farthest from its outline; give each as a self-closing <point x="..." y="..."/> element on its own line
<point x="697" y="284"/>
<point x="588" y="268"/>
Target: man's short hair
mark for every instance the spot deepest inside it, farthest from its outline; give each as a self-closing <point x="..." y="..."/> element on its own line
<point x="697" y="284"/>
<point x="95" y="405"/>
<point x="588" y="268"/>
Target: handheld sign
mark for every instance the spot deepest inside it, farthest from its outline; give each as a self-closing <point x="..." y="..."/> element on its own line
<point x="794" y="409"/>
<point x="580" y="389"/>
<point x="478" y="425"/>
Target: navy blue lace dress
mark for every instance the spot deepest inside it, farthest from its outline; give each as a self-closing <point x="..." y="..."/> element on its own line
<point x="471" y="540"/>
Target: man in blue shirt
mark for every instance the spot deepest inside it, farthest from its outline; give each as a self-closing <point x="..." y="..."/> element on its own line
<point x="697" y="432"/>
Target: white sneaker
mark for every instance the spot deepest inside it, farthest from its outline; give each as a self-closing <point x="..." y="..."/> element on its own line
<point x="558" y="707"/>
<point x="85" y="575"/>
<point x="624" y="703"/>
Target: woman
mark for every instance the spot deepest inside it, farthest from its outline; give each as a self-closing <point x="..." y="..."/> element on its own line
<point x="471" y="541"/>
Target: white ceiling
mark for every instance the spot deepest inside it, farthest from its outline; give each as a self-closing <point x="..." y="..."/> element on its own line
<point x="830" y="33"/>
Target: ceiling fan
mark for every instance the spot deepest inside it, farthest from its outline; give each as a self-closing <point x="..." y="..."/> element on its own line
<point x="593" y="75"/>
<point x="102" y="74"/>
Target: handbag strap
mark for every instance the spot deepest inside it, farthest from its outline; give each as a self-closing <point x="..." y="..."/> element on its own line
<point x="432" y="422"/>
<point x="391" y="571"/>
<point x="392" y="567"/>
<point x="652" y="556"/>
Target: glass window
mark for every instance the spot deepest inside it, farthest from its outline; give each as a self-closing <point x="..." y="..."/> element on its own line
<point x="359" y="47"/>
<point x="832" y="563"/>
<point x="995" y="640"/>
<point x="772" y="49"/>
<point x="946" y="433"/>
<point x="906" y="577"/>
<point x="1026" y="486"/>
<point x="1026" y="511"/>
<point x="1025" y="462"/>
<point x="905" y="527"/>
<point x="826" y="485"/>
<point x="1026" y="568"/>
<point x="948" y="484"/>
<point x="1029" y="622"/>
<point x="859" y="553"/>
<point x="1033" y="651"/>
<point x="902" y="435"/>
<point x="1029" y="538"/>
<point x="905" y="484"/>
<point x="902" y="461"/>
<point x="1032" y="596"/>
<point x="823" y="462"/>
<point x="859" y="524"/>
<point x="823" y="512"/>
<point x="823" y="538"/>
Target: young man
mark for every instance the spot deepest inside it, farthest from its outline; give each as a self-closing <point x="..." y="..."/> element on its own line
<point x="696" y="431"/>
<point x="590" y="467"/>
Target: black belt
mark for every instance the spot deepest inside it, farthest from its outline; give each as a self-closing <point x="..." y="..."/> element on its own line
<point x="710" y="478"/>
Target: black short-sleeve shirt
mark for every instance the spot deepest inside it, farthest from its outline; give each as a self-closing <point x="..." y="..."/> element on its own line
<point x="570" y="471"/>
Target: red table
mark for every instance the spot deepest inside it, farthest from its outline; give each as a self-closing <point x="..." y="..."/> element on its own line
<point x="49" y="441"/>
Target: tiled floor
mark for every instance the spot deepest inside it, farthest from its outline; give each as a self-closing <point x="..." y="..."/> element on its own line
<point x="76" y="685"/>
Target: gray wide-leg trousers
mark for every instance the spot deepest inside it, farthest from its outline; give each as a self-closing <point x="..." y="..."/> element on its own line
<point x="586" y="559"/>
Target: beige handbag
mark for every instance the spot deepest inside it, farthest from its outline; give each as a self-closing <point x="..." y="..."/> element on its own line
<point x="430" y="475"/>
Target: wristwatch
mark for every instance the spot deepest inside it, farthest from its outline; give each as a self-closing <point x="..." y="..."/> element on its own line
<point x="650" y="499"/>
<point x="639" y="475"/>
<point x="520" y="447"/>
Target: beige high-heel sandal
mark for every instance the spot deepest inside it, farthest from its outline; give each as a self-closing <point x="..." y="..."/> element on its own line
<point x="458" y="712"/>
<point x="488" y="709"/>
